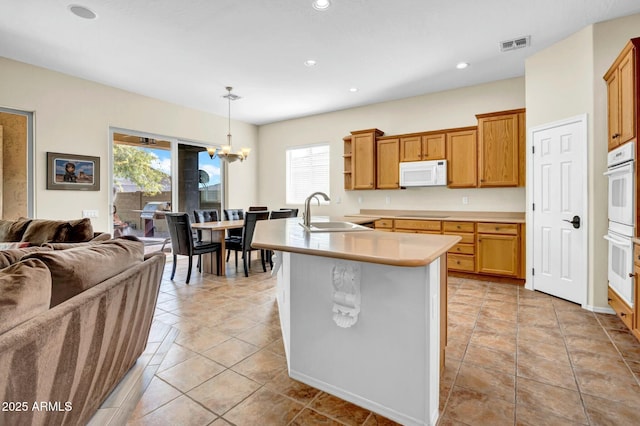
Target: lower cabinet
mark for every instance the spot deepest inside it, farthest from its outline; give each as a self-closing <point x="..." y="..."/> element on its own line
<point x="498" y="249"/>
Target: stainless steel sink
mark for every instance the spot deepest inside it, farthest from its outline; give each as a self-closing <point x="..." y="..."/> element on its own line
<point x="334" y="227"/>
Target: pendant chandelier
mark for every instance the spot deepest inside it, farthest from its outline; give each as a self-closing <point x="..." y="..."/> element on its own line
<point x="225" y="152"/>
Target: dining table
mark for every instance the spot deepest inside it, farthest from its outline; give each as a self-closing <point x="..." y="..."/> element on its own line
<point x="217" y="230"/>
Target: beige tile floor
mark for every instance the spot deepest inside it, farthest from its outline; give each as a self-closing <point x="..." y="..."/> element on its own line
<point x="215" y="357"/>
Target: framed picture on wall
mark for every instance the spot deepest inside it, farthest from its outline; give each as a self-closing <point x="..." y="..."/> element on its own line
<point x="73" y="172"/>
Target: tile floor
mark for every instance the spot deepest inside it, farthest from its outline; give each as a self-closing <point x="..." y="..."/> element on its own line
<point x="215" y="357"/>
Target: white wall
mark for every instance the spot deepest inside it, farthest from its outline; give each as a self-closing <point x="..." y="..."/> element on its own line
<point x="449" y="109"/>
<point x="74" y="115"/>
<point x="566" y="80"/>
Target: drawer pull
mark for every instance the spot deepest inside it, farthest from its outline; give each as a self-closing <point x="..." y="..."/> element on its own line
<point x="457" y="262"/>
<point x="622" y="314"/>
<point x="609" y="299"/>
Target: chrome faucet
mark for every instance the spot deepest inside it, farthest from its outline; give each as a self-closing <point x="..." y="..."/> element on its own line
<point x="306" y="215"/>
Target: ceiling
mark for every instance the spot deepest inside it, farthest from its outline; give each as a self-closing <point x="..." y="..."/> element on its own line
<point x="187" y="51"/>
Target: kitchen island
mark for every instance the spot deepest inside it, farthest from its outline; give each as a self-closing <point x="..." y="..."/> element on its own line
<point x="363" y="314"/>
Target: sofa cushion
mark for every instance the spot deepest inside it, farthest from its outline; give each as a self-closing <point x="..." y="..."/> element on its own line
<point x="77" y="269"/>
<point x="12" y="230"/>
<point x="9" y="257"/>
<point x="43" y="231"/>
<point x="25" y="292"/>
<point x="67" y="246"/>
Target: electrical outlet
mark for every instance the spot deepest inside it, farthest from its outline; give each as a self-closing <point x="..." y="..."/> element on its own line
<point x="90" y="213"/>
<point x="339" y="200"/>
<point x="387" y="200"/>
<point x="359" y="200"/>
<point x="465" y="200"/>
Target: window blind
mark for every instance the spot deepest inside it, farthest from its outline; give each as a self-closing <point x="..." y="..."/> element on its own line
<point x="307" y="172"/>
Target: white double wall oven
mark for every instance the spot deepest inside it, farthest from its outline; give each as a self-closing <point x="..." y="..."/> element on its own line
<point x="622" y="218"/>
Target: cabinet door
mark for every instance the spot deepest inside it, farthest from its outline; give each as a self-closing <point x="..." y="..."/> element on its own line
<point x="364" y="161"/>
<point x="388" y="164"/>
<point x="498" y="140"/>
<point x="411" y="148"/>
<point x="462" y="157"/>
<point x="627" y="93"/>
<point x="433" y="147"/>
<point x="613" y="103"/>
<point x="498" y="254"/>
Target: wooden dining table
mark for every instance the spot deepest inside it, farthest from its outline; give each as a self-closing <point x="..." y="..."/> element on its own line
<point x="217" y="230"/>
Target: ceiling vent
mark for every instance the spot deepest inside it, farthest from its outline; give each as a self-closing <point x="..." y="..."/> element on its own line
<point x="516" y="43"/>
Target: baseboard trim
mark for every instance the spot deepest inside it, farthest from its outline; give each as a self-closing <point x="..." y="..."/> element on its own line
<point x="599" y="309"/>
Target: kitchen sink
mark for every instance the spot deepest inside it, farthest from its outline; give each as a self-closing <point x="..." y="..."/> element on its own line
<point x="334" y="227"/>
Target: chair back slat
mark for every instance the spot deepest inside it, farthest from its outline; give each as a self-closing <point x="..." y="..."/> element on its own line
<point x="281" y="214"/>
<point x="257" y="208"/>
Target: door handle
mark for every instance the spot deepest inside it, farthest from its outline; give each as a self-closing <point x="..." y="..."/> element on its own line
<point x="575" y="221"/>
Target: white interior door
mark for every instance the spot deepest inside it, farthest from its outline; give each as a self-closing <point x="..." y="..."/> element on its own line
<point x="559" y="193"/>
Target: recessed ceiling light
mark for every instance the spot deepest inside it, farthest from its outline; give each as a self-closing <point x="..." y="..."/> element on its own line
<point x="321" y="4"/>
<point x="353" y="89"/>
<point x="462" y="65"/>
<point x="310" y="63"/>
<point x="82" y="12"/>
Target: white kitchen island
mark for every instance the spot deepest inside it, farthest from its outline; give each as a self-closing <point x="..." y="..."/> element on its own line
<point x="363" y="314"/>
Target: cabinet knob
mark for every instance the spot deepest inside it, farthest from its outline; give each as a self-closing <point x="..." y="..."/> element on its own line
<point x="622" y="314"/>
<point x="615" y="135"/>
<point x="481" y="180"/>
<point x="457" y="262"/>
<point x="608" y="299"/>
<point x="631" y="275"/>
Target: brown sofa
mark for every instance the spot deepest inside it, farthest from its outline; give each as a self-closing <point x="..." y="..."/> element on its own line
<point x="72" y="323"/>
<point x="39" y="231"/>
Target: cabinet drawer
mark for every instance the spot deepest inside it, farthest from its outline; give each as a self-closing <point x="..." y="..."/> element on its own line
<point x="418" y="225"/>
<point x="497" y="228"/>
<point x="459" y="226"/>
<point x="463" y="249"/>
<point x="461" y="262"/>
<point x="383" y="223"/>
<point x="636" y="254"/>
<point x="466" y="238"/>
<point x="622" y="309"/>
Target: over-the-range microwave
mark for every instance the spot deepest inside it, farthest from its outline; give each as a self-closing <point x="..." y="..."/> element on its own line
<point x="423" y="173"/>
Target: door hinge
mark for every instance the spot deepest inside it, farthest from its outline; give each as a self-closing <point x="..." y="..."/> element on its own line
<point x="533" y="149"/>
<point x="533" y="206"/>
<point x="533" y="271"/>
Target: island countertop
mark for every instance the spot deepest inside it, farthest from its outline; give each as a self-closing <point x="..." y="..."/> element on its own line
<point x="389" y="248"/>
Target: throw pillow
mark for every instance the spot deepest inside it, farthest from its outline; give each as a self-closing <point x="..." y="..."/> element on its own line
<point x="8" y="246"/>
<point x="43" y="231"/>
<point x="25" y="292"/>
<point x="12" y="230"/>
<point x="78" y="269"/>
<point x="81" y="230"/>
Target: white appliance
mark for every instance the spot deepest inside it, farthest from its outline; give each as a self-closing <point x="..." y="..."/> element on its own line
<point x="423" y="173"/>
<point x="622" y="212"/>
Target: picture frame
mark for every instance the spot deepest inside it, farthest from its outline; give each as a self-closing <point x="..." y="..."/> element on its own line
<point x="73" y="172"/>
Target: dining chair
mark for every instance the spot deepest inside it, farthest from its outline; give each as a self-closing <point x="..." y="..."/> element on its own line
<point x="244" y="246"/>
<point x="233" y="234"/>
<point x="258" y="208"/>
<point x="295" y="211"/>
<point x="281" y="214"/>
<point x="201" y="216"/>
<point x="182" y="243"/>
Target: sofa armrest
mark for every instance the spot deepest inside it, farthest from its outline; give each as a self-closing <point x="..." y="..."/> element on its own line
<point x="100" y="236"/>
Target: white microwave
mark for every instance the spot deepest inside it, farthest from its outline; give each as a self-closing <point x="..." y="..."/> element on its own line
<point x="423" y="173"/>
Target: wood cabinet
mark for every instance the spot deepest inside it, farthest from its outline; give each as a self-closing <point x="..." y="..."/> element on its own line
<point x="622" y="96"/>
<point x="461" y="257"/>
<point x="383" y="225"/>
<point x="429" y="146"/>
<point x="363" y="158"/>
<point x="499" y="146"/>
<point x="418" y="226"/>
<point x="348" y="163"/>
<point x="462" y="159"/>
<point x="388" y="164"/>
<point x="498" y="247"/>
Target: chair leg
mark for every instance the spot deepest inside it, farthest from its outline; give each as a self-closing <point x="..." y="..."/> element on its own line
<point x="173" y="269"/>
<point x="228" y="254"/>
<point x="199" y="263"/>
<point x="236" y="259"/>
<point x="264" y="267"/>
<point x="244" y="261"/>
<point x="219" y="258"/>
<point x="189" y="270"/>
<point x="270" y="257"/>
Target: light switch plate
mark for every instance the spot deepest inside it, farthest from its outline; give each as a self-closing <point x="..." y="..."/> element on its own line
<point x="90" y="213"/>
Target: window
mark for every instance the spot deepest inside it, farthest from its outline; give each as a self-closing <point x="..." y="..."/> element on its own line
<point x="307" y="172"/>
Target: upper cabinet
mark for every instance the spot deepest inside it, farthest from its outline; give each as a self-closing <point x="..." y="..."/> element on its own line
<point x="500" y="142"/>
<point x="388" y="164"/>
<point x="363" y="158"/>
<point x="462" y="164"/>
<point x="622" y="95"/>
<point x="428" y="146"/>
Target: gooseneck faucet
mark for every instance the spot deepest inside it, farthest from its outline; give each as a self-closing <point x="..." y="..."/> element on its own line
<point x="306" y="215"/>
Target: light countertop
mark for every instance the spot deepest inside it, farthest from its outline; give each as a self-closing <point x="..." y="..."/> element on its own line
<point x="389" y="248"/>
<point x="469" y="216"/>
